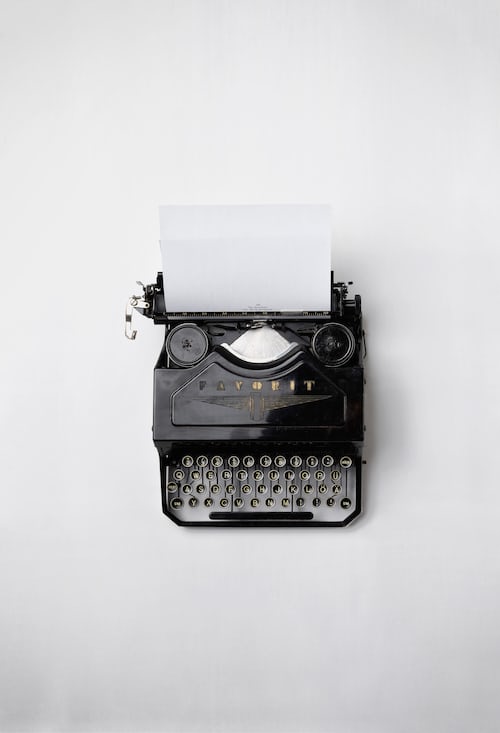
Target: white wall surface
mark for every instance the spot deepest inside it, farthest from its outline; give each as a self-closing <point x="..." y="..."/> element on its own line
<point x="114" y="619"/>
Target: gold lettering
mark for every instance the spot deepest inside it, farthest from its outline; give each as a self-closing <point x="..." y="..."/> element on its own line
<point x="309" y="384"/>
<point x="275" y="385"/>
<point x="239" y="385"/>
<point x="257" y="386"/>
<point x="221" y="387"/>
<point x="292" y="385"/>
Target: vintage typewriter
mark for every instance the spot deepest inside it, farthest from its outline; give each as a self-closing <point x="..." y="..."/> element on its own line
<point x="258" y="417"/>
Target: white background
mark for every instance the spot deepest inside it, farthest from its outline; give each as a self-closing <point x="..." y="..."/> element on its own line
<point x="113" y="618"/>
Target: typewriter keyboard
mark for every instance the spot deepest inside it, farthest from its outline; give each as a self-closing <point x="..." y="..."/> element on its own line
<point x="258" y="487"/>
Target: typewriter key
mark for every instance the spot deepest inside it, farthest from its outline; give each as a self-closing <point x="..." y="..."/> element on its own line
<point x="316" y="502"/>
<point x="186" y="489"/>
<point x="277" y="489"/>
<point x="296" y="461"/>
<point x="327" y="461"/>
<point x="224" y="502"/>
<point x="308" y="489"/>
<point x="187" y="344"/>
<point x="176" y="503"/>
<point x="280" y="461"/>
<point x="274" y="475"/>
<point x="265" y="461"/>
<point x="335" y="475"/>
<point x="345" y="462"/>
<point x="330" y="501"/>
<point x="319" y="475"/>
<point x="195" y="475"/>
<point x="227" y="475"/>
<point x="215" y="489"/>
<point x="333" y="344"/>
<point x="289" y="475"/>
<point x="337" y="489"/>
<point x="322" y="488"/>
<point x="202" y="461"/>
<point x="200" y="489"/>
<point x="293" y="489"/>
<point x="217" y="461"/>
<point x="261" y="488"/>
<point x="246" y="489"/>
<point x="193" y="501"/>
<point x="305" y="475"/>
<point x="238" y="503"/>
<point x="233" y="461"/>
<point x="178" y="475"/>
<point x="242" y="474"/>
<point x="171" y="486"/>
<point x="187" y="461"/>
<point x="230" y="489"/>
<point x="345" y="503"/>
<point x="285" y="502"/>
<point x="312" y="461"/>
<point x="208" y="501"/>
<point x="300" y="501"/>
<point x="258" y="475"/>
<point x="248" y="461"/>
<point x="270" y="501"/>
<point x="210" y="475"/>
<point x="254" y="502"/>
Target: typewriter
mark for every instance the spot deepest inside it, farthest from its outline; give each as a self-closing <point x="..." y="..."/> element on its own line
<point x="258" y="418"/>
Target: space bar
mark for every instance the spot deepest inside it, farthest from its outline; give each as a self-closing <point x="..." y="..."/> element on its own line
<point x="269" y="516"/>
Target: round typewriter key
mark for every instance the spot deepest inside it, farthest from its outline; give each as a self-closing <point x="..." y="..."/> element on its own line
<point x="289" y="475"/>
<point x="233" y="461"/>
<point x="312" y="461"/>
<point x="216" y="461"/>
<point x="335" y="475"/>
<point x="195" y="475"/>
<point x="261" y="488"/>
<point x="178" y="475"/>
<point x="258" y="475"/>
<point x="319" y="475"/>
<point x="305" y="475"/>
<point x="345" y="503"/>
<point x="202" y="461"/>
<point x="316" y="502"/>
<point x="322" y="488"/>
<point x="187" y="344"/>
<point x="300" y="501"/>
<point x="246" y="489"/>
<point x="193" y="501"/>
<point x="277" y="489"/>
<point x="296" y="461"/>
<point x="330" y="501"/>
<point x="248" y="461"/>
<point x="171" y="486"/>
<point x="265" y="461"/>
<point x="280" y="461"/>
<point x="333" y="344"/>
<point x="209" y="502"/>
<point x="337" y="489"/>
<point x="254" y="502"/>
<point x="230" y="489"/>
<point x="293" y="489"/>
<point x="176" y="503"/>
<point x="285" y="502"/>
<point x="210" y="475"/>
<point x="187" y="461"/>
<point x="215" y="488"/>
<point x="227" y="475"/>
<point x="238" y="503"/>
<point x="242" y="474"/>
<point x="327" y="461"/>
<point x="308" y="489"/>
<point x="200" y="489"/>
<point x="224" y="502"/>
<point x="345" y="462"/>
<point x="186" y="489"/>
<point x="270" y="501"/>
<point x="274" y="475"/>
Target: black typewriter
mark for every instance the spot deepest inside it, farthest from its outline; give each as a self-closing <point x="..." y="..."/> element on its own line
<point x="258" y="418"/>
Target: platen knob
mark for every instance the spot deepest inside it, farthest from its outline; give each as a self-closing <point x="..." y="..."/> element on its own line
<point x="187" y="344"/>
<point x="333" y="344"/>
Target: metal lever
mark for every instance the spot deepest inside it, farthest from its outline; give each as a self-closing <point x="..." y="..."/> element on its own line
<point x="136" y="301"/>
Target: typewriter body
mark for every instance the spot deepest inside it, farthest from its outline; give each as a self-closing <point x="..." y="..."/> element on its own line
<point x="258" y="418"/>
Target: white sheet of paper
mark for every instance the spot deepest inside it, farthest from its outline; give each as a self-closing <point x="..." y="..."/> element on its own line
<point x="246" y="258"/>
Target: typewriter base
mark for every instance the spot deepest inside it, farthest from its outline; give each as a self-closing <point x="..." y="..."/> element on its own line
<point x="281" y="486"/>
